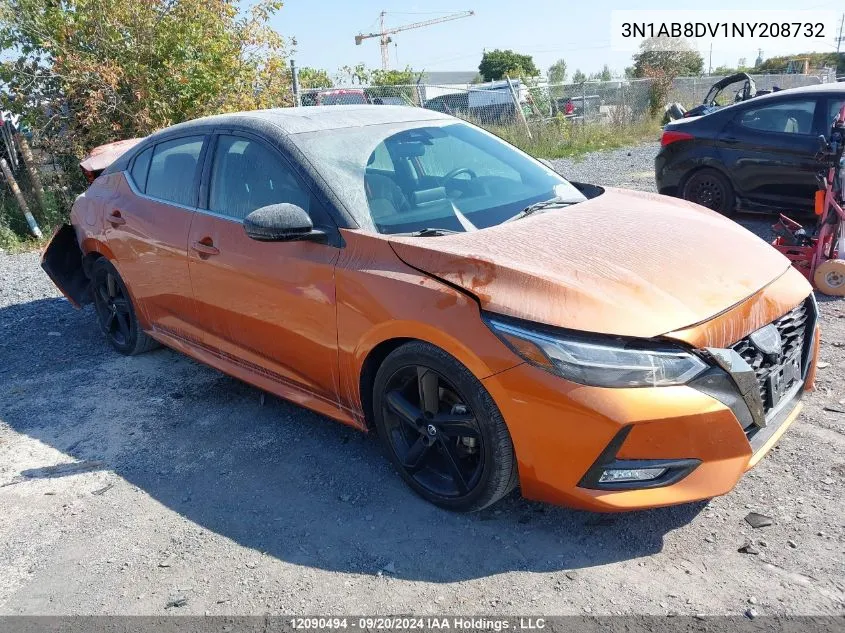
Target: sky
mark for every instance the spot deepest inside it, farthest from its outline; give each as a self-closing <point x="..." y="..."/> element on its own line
<point x="579" y="32"/>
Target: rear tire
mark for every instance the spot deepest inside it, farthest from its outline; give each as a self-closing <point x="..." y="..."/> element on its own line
<point x="115" y="312"/>
<point x="710" y="189"/>
<point x="441" y="429"/>
<point x="830" y="277"/>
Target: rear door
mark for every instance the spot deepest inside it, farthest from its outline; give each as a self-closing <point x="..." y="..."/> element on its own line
<point x="769" y="152"/>
<point x="268" y="305"/>
<point x="147" y="229"/>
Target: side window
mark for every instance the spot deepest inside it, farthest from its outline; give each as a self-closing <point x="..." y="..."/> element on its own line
<point x="140" y="168"/>
<point x="246" y="176"/>
<point x="791" y="117"/>
<point x="172" y="170"/>
<point x="833" y="107"/>
<point x="380" y="159"/>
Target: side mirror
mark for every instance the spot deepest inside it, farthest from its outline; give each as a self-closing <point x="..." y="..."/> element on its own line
<point x="283" y="222"/>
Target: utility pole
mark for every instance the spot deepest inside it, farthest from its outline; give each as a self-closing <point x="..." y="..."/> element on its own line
<point x="710" y="63"/>
<point x="840" y="38"/>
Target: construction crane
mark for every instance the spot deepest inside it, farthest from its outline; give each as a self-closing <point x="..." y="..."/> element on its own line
<point x="384" y="34"/>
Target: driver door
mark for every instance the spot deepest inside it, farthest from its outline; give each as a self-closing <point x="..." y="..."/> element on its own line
<point x="268" y="305"/>
<point x="769" y="150"/>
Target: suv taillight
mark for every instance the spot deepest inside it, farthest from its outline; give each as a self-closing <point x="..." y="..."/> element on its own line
<point x="672" y="136"/>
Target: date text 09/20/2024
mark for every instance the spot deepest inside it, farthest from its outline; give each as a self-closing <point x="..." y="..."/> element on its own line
<point x="405" y="623"/>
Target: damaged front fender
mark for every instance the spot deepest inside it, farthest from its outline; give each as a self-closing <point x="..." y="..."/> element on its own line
<point x="63" y="263"/>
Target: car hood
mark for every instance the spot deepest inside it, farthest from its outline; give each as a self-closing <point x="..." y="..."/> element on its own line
<point x="625" y="263"/>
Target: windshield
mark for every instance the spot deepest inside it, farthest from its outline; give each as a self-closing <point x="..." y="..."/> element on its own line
<point x="405" y="177"/>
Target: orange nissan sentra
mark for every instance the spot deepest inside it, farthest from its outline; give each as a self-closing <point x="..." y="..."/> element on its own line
<point x="400" y="270"/>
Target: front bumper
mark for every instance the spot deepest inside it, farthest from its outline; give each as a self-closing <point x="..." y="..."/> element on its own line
<point x="565" y="433"/>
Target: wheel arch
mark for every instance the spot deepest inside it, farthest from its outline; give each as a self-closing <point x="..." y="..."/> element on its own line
<point x="714" y="166"/>
<point x="382" y="343"/>
<point x="369" y="369"/>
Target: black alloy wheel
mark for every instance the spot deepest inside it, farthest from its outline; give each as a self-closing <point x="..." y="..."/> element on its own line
<point x="442" y="430"/>
<point x="115" y="312"/>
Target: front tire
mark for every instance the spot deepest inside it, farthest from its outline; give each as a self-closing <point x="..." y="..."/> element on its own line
<point x="115" y="312"/>
<point x="442" y="430"/>
<point x="710" y="189"/>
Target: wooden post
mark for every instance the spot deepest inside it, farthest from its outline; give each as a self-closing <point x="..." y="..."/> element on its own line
<point x="32" y="168"/>
<point x="13" y="184"/>
<point x="518" y="107"/>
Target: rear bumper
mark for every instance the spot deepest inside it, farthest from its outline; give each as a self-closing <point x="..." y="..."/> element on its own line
<point x="62" y="261"/>
<point x="667" y="175"/>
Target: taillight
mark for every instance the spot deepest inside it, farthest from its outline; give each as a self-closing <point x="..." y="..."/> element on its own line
<point x="90" y="176"/>
<point x="671" y="136"/>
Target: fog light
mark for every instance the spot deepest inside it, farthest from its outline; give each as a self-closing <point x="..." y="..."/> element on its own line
<point x="612" y="476"/>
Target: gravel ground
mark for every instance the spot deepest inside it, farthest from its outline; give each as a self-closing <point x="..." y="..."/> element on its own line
<point x="154" y="485"/>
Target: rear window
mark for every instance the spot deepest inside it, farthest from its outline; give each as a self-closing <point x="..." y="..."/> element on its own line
<point x="140" y="168"/>
<point x="172" y="170"/>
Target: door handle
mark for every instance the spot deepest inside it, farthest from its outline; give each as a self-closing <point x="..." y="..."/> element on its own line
<point x="205" y="249"/>
<point x="115" y="218"/>
<point x="730" y="140"/>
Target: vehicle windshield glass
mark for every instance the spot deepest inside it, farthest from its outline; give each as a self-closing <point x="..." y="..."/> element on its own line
<point x="405" y="177"/>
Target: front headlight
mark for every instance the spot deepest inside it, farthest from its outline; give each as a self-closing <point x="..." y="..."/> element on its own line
<point x="600" y="361"/>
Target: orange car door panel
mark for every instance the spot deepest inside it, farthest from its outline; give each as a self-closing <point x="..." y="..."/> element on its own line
<point x="146" y="228"/>
<point x="269" y="305"/>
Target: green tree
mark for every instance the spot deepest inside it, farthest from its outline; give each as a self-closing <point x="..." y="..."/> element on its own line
<point x="314" y="78"/>
<point x="605" y="74"/>
<point x="557" y="72"/>
<point x="661" y="59"/>
<point x="351" y="75"/>
<point x="667" y="56"/>
<point x="497" y="63"/>
<point x="817" y="60"/>
<point x="393" y="83"/>
<point x="394" y="77"/>
<point x="578" y="77"/>
<point x="101" y="70"/>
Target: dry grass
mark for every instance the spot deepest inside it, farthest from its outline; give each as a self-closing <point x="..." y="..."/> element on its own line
<point x="562" y="138"/>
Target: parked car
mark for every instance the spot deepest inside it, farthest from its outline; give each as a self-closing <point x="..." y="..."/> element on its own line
<point x="455" y="103"/>
<point x="403" y="271"/>
<point x="342" y="96"/>
<point x="759" y="154"/>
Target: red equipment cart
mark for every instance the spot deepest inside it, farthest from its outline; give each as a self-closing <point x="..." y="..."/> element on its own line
<point x="818" y="256"/>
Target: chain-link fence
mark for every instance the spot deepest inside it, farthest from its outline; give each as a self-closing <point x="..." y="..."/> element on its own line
<point x="522" y="103"/>
<point x="505" y="102"/>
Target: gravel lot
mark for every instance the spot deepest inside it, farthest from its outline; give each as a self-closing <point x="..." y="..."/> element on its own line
<point x="155" y="485"/>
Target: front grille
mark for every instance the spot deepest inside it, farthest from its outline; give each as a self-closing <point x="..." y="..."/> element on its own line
<point x="795" y="328"/>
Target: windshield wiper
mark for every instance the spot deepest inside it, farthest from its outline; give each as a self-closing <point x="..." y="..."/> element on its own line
<point x="538" y="206"/>
<point x="429" y="232"/>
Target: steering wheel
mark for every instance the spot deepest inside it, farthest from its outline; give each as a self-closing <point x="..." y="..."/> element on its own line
<point x="457" y="172"/>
